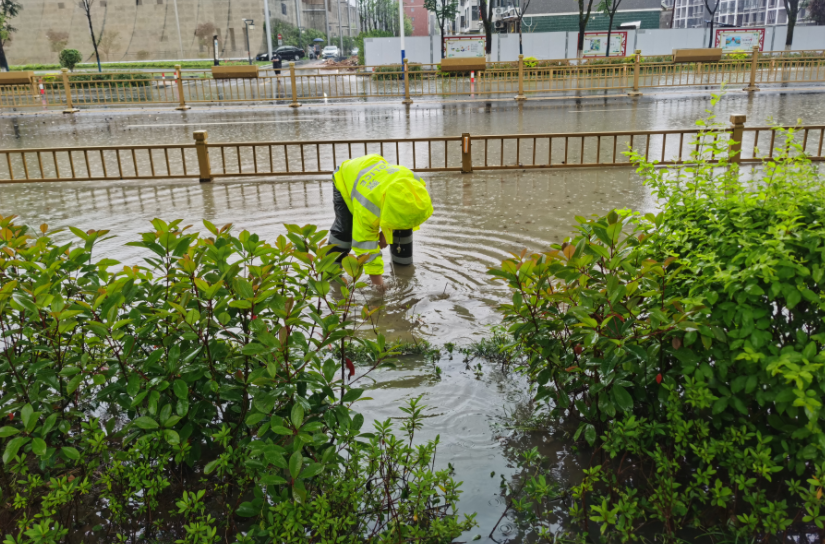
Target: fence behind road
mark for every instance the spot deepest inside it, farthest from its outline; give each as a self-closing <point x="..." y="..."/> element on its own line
<point x="467" y="153"/>
<point x="521" y="79"/>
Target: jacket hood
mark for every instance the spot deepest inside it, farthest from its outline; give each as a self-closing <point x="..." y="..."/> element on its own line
<point x="407" y="203"/>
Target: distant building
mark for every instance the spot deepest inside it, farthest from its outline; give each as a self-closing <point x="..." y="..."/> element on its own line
<point x="556" y="15"/>
<point x="148" y="29"/>
<point x="418" y="14"/>
<point x="741" y="13"/>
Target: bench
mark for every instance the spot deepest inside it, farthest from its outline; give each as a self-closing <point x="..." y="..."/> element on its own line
<point x="234" y="72"/>
<point x="713" y="54"/>
<point x="457" y="64"/>
<point x="16" y="78"/>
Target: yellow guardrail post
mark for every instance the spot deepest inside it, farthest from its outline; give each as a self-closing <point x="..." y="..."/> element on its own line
<point x="737" y="121"/>
<point x="520" y="96"/>
<point x="67" y="89"/>
<point x="204" y="167"/>
<point x="294" y="83"/>
<point x="637" y="61"/>
<point x="754" y="65"/>
<point x="406" y="73"/>
<point x="179" y="83"/>
<point x="466" y="153"/>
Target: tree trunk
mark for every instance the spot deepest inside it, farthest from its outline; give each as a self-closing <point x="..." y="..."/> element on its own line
<point x="94" y="41"/>
<point x="486" y="20"/>
<point x="580" y="41"/>
<point x="792" y="8"/>
<point x="520" y="48"/>
<point x="710" y="40"/>
<point x="442" y="38"/>
<point x="4" y="64"/>
<point x="609" y="31"/>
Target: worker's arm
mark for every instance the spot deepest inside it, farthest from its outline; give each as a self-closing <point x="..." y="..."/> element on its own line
<point x="378" y="279"/>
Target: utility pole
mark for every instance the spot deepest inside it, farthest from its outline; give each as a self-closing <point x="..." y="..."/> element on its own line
<point x="177" y="21"/>
<point x="268" y="29"/>
<point x="349" y="22"/>
<point x="401" y="30"/>
<point x="326" y="18"/>
<point x="340" y="34"/>
<point x="298" y="21"/>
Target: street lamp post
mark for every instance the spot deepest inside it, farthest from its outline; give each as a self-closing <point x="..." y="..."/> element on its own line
<point x="249" y="25"/>
<point x="268" y="29"/>
<point x="215" y="50"/>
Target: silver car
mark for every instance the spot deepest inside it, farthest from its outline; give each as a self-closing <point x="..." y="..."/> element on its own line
<point x="331" y="52"/>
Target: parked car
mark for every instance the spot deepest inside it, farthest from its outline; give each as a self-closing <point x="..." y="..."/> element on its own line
<point x="355" y="51"/>
<point x="285" y="52"/>
<point x="331" y="52"/>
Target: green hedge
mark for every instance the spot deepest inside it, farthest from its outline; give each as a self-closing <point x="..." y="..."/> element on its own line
<point x="204" y="395"/>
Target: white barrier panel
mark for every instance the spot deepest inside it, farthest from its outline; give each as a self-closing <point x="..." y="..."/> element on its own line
<point x="379" y="51"/>
<point x="551" y="45"/>
<point x="662" y="41"/>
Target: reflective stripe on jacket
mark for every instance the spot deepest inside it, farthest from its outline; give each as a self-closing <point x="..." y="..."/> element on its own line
<point x="381" y="197"/>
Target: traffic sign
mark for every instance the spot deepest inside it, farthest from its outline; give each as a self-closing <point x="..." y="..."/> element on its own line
<point x="280" y="40"/>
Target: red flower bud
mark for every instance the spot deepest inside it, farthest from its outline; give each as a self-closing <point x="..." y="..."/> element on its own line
<point x="578" y="349"/>
<point x="658" y="378"/>
<point x="254" y="317"/>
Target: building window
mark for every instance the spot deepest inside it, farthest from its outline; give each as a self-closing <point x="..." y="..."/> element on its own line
<point x="103" y="3"/>
<point x="283" y="8"/>
<point x="61" y="5"/>
<point x="232" y="38"/>
<point x="160" y="2"/>
<point x="138" y="2"/>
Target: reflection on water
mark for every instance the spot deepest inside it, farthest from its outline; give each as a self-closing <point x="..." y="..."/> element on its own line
<point x="446" y="296"/>
<point x="266" y="124"/>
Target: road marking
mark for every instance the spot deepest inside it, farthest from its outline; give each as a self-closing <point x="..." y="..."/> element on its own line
<point x="618" y="109"/>
<point x="225" y="123"/>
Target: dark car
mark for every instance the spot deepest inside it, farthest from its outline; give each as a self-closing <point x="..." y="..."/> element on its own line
<point x="289" y="52"/>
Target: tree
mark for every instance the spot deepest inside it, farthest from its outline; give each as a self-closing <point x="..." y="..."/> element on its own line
<point x="712" y="16"/>
<point x="8" y="11"/>
<point x="69" y="58"/>
<point x="521" y="13"/>
<point x="584" y="18"/>
<point x="816" y="9"/>
<point x="792" y="8"/>
<point x="109" y="42"/>
<point x="444" y="10"/>
<point x="87" y="8"/>
<point x="57" y="40"/>
<point x="204" y="33"/>
<point x="609" y="8"/>
<point x="486" y="10"/>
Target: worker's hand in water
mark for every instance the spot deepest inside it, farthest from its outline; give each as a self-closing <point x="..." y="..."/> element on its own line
<point x="377" y="282"/>
<point x="382" y="242"/>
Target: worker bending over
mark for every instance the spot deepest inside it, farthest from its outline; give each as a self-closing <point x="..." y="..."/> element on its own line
<point x="372" y="198"/>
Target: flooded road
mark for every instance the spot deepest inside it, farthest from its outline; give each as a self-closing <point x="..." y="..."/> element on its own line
<point x="481" y="414"/>
<point x="336" y="121"/>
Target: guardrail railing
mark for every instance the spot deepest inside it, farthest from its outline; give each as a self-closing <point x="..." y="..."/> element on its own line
<point x="521" y="78"/>
<point x="206" y="160"/>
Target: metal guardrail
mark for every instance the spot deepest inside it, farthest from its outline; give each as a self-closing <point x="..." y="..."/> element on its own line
<point x="521" y="79"/>
<point x="466" y="153"/>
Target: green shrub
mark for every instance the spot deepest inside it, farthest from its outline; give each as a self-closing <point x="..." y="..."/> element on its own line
<point x="689" y="347"/>
<point x="197" y="397"/>
<point x="69" y="58"/>
<point x="394" y="71"/>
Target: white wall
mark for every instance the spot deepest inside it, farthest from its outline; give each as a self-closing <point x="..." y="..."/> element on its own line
<point x="547" y="45"/>
<point x="806" y="37"/>
<point x="378" y="51"/>
<point x="551" y="45"/>
<point x="662" y="41"/>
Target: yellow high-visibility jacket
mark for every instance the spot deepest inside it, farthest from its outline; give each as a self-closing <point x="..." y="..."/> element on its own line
<point x="381" y="197"/>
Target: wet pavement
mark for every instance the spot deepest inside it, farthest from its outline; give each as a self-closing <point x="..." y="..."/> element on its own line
<point x="446" y="296"/>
